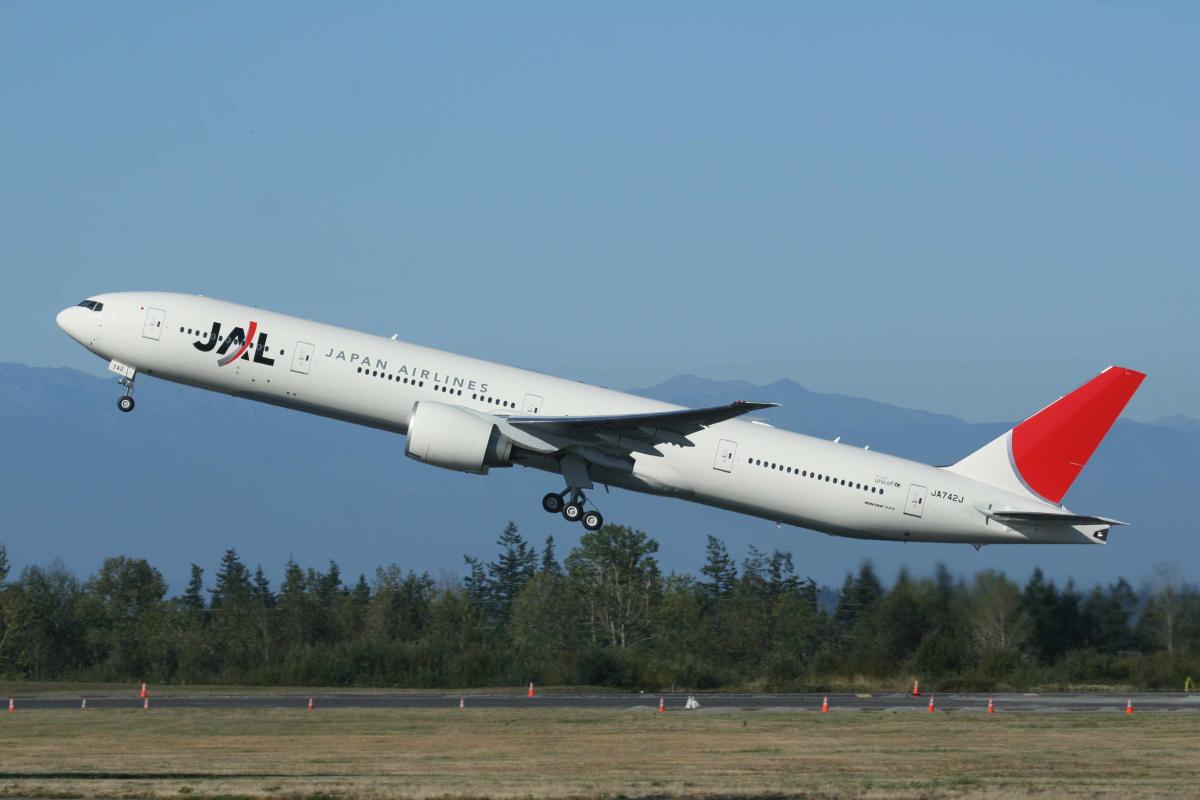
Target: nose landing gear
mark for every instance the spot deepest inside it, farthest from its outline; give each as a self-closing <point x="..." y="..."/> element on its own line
<point x="574" y="510"/>
<point x="126" y="403"/>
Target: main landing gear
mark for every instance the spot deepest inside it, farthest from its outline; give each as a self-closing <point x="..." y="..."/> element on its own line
<point x="126" y="403"/>
<point x="574" y="510"/>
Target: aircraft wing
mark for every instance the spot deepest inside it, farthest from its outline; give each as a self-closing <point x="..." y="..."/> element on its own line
<point x="634" y="432"/>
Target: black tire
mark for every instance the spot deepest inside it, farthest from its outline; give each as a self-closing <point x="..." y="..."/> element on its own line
<point x="572" y="512"/>
<point x="592" y="520"/>
<point x="552" y="503"/>
<point x="125" y="404"/>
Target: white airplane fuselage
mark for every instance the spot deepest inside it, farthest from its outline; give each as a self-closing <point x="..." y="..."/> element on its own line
<point x="738" y="464"/>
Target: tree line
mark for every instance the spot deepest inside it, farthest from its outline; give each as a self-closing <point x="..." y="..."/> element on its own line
<point x="605" y="615"/>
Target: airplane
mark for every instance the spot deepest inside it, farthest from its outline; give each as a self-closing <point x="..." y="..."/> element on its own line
<point x="469" y="415"/>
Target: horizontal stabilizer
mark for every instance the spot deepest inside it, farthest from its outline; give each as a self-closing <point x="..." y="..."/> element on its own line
<point x="1049" y="516"/>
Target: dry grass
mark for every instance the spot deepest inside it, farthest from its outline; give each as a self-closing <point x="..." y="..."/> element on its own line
<point x="575" y="753"/>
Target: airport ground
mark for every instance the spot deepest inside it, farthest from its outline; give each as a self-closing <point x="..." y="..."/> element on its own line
<point x="213" y="744"/>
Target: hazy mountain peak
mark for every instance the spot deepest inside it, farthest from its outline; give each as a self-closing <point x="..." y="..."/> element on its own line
<point x="1180" y="422"/>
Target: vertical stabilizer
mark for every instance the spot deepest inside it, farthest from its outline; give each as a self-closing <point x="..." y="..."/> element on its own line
<point x="1043" y="455"/>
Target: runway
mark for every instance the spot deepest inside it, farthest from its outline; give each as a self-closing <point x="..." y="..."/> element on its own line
<point x="709" y="703"/>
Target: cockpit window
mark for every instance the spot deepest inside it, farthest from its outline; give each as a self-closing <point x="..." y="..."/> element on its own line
<point x="92" y="305"/>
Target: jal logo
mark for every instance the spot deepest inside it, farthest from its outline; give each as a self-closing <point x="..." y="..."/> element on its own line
<point x="242" y="338"/>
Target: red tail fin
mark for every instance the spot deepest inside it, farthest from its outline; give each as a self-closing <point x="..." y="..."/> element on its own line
<point x="1045" y="453"/>
<point x="1051" y="447"/>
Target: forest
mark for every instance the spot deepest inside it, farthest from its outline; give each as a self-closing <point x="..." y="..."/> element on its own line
<point x="604" y="615"/>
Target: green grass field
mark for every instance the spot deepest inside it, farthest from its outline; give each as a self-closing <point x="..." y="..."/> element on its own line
<point x="572" y="753"/>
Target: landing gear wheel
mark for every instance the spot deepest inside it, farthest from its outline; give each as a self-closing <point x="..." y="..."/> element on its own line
<point x="592" y="520"/>
<point x="572" y="512"/>
<point x="125" y="404"/>
<point x="553" y="503"/>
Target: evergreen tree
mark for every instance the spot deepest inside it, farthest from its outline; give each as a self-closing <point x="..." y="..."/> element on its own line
<point x="550" y="565"/>
<point x="4" y="565"/>
<point x="511" y="571"/>
<point x="239" y="635"/>
<point x="858" y="596"/>
<point x="295" y="615"/>
<point x="261" y="590"/>
<point x="781" y="575"/>
<point x="233" y="588"/>
<point x="1106" y="617"/>
<point x="361" y="593"/>
<point x="899" y="621"/>
<point x="193" y="595"/>
<point x="477" y="584"/>
<point x="1039" y="601"/>
<point x="720" y="570"/>
<point x="263" y="600"/>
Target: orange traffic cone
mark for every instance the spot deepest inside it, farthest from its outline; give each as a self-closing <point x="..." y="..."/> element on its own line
<point x="825" y="705"/>
<point x="11" y="706"/>
<point x="530" y="694"/>
<point x="662" y="706"/>
<point x="462" y="702"/>
<point x="930" y="709"/>
<point x="310" y="704"/>
<point x="916" y="688"/>
<point x="991" y="707"/>
<point x="1128" y="706"/>
<point x="143" y="694"/>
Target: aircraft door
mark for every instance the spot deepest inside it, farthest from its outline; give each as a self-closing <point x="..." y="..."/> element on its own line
<point x="726" y="450"/>
<point x="533" y="404"/>
<point x="302" y="358"/>
<point x="915" y="507"/>
<point x="154" y="323"/>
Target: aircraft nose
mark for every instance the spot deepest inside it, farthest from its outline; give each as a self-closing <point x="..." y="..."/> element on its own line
<point x="71" y="320"/>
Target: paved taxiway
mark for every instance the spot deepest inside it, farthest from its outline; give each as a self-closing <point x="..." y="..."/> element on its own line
<point x="1028" y="702"/>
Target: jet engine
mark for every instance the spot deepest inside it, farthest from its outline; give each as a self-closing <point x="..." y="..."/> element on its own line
<point x="455" y="438"/>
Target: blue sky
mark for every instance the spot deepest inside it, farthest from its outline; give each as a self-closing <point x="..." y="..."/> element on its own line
<point x="958" y="207"/>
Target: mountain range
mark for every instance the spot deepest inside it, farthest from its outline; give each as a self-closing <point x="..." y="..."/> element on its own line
<point x="191" y="473"/>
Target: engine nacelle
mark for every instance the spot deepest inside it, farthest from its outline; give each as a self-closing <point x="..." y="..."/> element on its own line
<point x="454" y="438"/>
